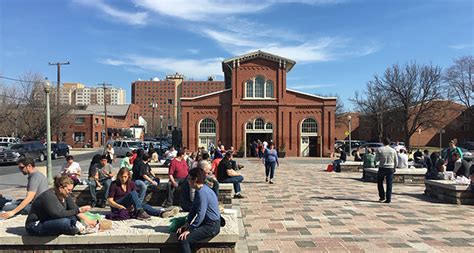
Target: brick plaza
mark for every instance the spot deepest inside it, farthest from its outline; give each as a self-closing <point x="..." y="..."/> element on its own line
<point x="310" y="210"/>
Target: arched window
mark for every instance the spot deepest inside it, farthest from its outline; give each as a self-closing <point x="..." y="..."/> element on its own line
<point x="249" y="126"/>
<point x="207" y="126"/>
<point x="259" y="87"/>
<point x="269" y="89"/>
<point x="309" y="126"/>
<point x="269" y="126"/>
<point x="259" y="124"/>
<point x="249" y="88"/>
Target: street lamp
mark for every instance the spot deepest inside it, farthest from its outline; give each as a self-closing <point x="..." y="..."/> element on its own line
<point x="47" y="90"/>
<point x="349" y="118"/>
<point x="161" y="133"/>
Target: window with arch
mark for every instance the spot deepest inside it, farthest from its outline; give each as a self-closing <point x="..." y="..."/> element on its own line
<point x="269" y="126"/>
<point x="309" y="126"/>
<point x="258" y="87"/>
<point x="259" y="124"/>
<point x="207" y="126"/>
<point x="249" y="125"/>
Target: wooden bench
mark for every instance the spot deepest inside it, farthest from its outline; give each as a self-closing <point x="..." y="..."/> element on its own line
<point x="125" y="236"/>
<point x="351" y="166"/>
<point x="402" y="176"/>
<point x="154" y="197"/>
<point x="449" y="192"/>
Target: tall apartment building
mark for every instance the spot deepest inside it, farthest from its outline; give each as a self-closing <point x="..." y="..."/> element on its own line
<point x="163" y="98"/>
<point x="78" y="94"/>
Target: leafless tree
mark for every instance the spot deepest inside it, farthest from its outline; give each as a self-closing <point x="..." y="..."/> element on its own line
<point x="460" y="79"/>
<point x="415" y="91"/>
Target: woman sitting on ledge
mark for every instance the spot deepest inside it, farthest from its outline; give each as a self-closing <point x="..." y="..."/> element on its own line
<point x="125" y="203"/>
<point x="54" y="212"/>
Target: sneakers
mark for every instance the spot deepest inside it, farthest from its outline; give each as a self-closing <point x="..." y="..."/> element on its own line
<point x="271" y="182"/>
<point x="240" y="166"/>
<point x="170" y="212"/>
<point x="142" y="215"/>
<point x="266" y="179"/>
<point x="238" y="196"/>
<point x="381" y="200"/>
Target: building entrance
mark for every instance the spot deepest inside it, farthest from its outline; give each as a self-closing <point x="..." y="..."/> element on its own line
<point x="255" y="137"/>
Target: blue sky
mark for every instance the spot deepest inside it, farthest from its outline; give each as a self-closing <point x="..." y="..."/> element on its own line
<point x="338" y="44"/>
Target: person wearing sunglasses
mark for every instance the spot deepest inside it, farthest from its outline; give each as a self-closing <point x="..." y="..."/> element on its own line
<point x="37" y="184"/>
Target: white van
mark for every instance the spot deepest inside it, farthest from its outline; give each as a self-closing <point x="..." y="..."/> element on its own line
<point x="11" y="140"/>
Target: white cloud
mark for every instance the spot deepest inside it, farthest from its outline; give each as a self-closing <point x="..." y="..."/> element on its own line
<point x="193" y="50"/>
<point x="190" y="67"/>
<point x="461" y="46"/>
<point x="131" y="18"/>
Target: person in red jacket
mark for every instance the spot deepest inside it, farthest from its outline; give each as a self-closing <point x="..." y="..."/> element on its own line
<point x="177" y="173"/>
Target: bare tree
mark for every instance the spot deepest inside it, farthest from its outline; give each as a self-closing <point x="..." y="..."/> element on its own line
<point x="414" y="91"/>
<point x="460" y="79"/>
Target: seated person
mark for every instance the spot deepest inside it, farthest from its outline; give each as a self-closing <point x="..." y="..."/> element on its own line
<point x="435" y="171"/>
<point x="54" y="212"/>
<point x="418" y="156"/>
<point x="125" y="162"/>
<point x="204" y="219"/>
<point x="461" y="166"/>
<point x="37" y="184"/>
<point x="123" y="195"/>
<point x="188" y="193"/>
<point x="170" y="155"/>
<point x="369" y="160"/>
<point x="100" y="175"/>
<point x="357" y="156"/>
<point x="142" y="175"/>
<point x="402" y="158"/>
<point x="72" y="169"/>
<point x="226" y="174"/>
<point x="342" y="159"/>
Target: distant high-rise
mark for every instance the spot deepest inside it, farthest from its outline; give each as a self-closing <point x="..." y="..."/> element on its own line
<point x="79" y="94"/>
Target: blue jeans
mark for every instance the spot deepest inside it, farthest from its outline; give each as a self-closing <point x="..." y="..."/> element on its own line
<point x="207" y="230"/>
<point x="14" y="204"/>
<point x="142" y="186"/>
<point x="132" y="199"/>
<point x="171" y="189"/>
<point x="236" y="181"/>
<point x="93" y="189"/>
<point x="270" y="169"/>
<point x="62" y="226"/>
<point x="381" y="175"/>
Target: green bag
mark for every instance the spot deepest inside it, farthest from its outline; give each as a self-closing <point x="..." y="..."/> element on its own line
<point x="176" y="223"/>
<point x="93" y="216"/>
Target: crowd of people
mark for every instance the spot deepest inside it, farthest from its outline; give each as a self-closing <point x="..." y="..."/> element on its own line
<point x="391" y="157"/>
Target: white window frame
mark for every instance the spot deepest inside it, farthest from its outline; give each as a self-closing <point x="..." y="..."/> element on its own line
<point x="266" y="82"/>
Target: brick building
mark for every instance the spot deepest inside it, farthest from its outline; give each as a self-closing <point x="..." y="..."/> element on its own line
<point x="256" y="104"/>
<point x="453" y="121"/>
<point x="88" y="125"/>
<point x="157" y="98"/>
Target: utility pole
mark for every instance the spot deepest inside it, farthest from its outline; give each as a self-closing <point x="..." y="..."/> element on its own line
<point x="153" y="105"/>
<point x="105" y="112"/>
<point x="58" y="64"/>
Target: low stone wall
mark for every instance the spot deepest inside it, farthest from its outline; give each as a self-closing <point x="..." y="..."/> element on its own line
<point x="125" y="236"/>
<point x="155" y="197"/>
<point x="350" y="166"/>
<point x="402" y="176"/>
<point x="449" y="192"/>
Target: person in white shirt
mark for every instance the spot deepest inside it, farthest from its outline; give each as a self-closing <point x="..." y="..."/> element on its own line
<point x="72" y="169"/>
<point x="402" y="159"/>
<point x="265" y="144"/>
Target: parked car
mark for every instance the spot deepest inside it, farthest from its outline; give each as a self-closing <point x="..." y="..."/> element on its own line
<point x="11" y="140"/>
<point x="33" y="149"/>
<point x="121" y="147"/>
<point x="59" y="149"/>
<point x="4" y="145"/>
<point x="466" y="154"/>
<point x="469" y="145"/>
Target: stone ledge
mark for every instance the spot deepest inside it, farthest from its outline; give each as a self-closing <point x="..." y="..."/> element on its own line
<point x="447" y="184"/>
<point x="407" y="171"/>
<point x="155" y="230"/>
<point x="448" y="191"/>
<point x="404" y="176"/>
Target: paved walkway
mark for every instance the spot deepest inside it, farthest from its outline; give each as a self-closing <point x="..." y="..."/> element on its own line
<point x="309" y="210"/>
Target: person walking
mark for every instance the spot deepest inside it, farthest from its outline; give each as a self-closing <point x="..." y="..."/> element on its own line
<point x="270" y="157"/>
<point x="387" y="158"/>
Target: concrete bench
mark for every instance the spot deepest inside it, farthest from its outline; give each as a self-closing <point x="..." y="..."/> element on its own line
<point x="449" y="192"/>
<point x="125" y="236"/>
<point x="154" y="197"/>
<point x="351" y="166"/>
<point x="403" y="176"/>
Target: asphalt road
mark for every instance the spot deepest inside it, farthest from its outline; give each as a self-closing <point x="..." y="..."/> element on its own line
<point x="11" y="177"/>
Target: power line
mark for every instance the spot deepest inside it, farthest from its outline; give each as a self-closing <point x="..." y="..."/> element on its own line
<point x="20" y="80"/>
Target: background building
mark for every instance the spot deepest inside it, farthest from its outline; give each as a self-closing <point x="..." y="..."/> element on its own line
<point x="79" y="94"/>
<point x="157" y="98"/>
<point x="255" y="104"/>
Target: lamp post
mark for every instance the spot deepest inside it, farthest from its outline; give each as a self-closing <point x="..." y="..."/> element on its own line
<point x="161" y="133"/>
<point x="153" y="105"/>
<point x="47" y="90"/>
<point x="349" y="119"/>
